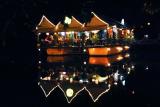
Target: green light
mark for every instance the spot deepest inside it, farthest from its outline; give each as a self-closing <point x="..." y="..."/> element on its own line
<point x="67" y="20"/>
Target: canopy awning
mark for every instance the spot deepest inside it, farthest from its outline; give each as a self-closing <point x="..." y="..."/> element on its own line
<point x="45" y="25"/>
<point x="75" y="25"/>
<point x="96" y="23"/>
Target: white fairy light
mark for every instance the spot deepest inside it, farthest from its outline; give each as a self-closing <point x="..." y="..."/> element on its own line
<point x="71" y="93"/>
<point x="45" y="18"/>
<point x="39" y="62"/>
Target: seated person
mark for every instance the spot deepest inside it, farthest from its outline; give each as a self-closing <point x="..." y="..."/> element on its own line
<point x="49" y="39"/>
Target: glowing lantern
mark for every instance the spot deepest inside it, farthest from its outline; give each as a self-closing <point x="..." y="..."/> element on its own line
<point x="67" y="20"/>
<point x="69" y="92"/>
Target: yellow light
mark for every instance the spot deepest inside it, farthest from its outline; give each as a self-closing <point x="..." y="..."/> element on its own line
<point x="71" y="80"/>
<point x="108" y="49"/>
<point x="128" y="31"/>
<point x="126" y="47"/>
<point x="109" y="64"/>
<point x="69" y="92"/>
<point x="119" y="58"/>
<point x="119" y="49"/>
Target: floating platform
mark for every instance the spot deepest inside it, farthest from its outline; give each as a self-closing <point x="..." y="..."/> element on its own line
<point x="91" y="51"/>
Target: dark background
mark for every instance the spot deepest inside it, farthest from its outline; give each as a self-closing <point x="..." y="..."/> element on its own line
<point x="18" y="46"/>
<point x="20" y="17"/>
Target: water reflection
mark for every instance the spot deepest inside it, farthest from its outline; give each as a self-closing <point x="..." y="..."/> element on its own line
<point x="73" y="74"/>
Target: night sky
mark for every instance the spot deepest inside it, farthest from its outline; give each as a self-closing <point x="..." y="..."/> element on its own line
<point x="20" y="17"/>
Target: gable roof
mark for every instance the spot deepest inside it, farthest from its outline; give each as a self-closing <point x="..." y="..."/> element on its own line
<point x="45" y="25"/>
<point x="75" y="23"/>
<point x="96" y="23"/>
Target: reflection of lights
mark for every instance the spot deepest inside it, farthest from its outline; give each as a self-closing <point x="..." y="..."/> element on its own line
<point x="85" y="62"/>
<point x="126" y="47"/>
<point x="69" y="92"/>
<point x="108" y="49"/>
<point x="100" y="79"/>
<point x="123" y="66"/>
<point x="67" y="78"/>
<point x="61" y="77"/>
<point x="119" y="48"/>
<point x="146" y="36"/>
<point x="46" y="78"/>
<point x="116" y="76"/>
<point x="74" y="74"/>
<point x="109" y="85"/>
<point x="132" y="66"/>
<point x="71" y="80"/>
<point x="123" y="82"/>
<point x="108" y="64"/>
<point x="146" y="68"/>
<point x="129" y="69"/>
<point x="121" y="77"/>
<point x="39" y="67"/>
<point x="80" y="81"/>
<point x="96" y="81"/>
<point x="119" y="58"/>
<point x="127" y="55"/>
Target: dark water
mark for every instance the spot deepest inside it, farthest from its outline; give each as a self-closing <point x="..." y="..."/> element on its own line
<point x="20" y="77"/>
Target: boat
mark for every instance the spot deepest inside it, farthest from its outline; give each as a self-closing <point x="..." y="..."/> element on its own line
<point x="93" y="38"/>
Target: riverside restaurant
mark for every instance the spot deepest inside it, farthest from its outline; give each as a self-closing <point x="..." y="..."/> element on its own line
<point x="93" y="38"/>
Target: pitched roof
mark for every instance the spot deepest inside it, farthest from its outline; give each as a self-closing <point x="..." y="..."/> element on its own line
<point x="45" y="25"/>
<point x="59" y="27"/>
<point x="75" y="23"/>
<point x="96" y="23"/>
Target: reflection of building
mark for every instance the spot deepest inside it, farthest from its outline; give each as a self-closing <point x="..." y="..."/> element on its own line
<point x="94" y="77"/>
